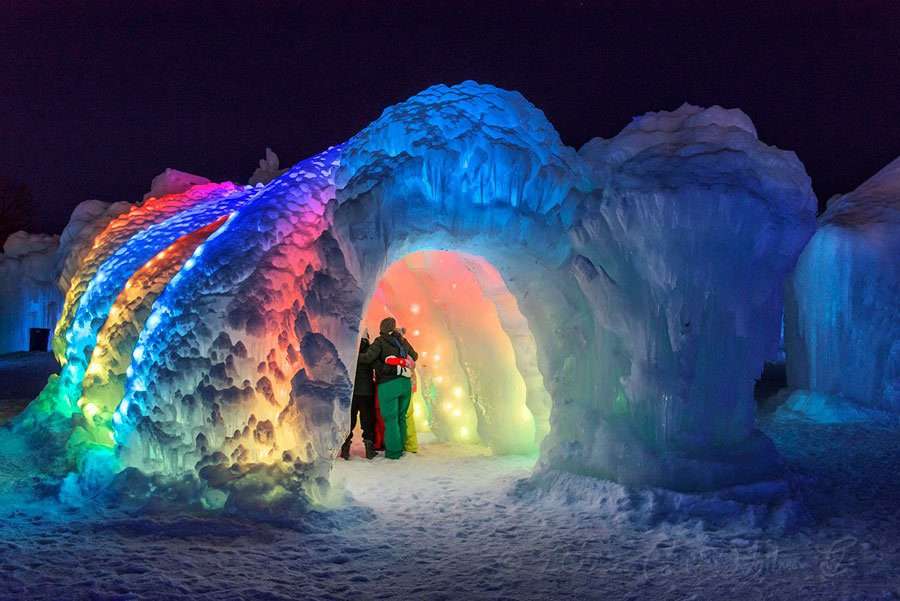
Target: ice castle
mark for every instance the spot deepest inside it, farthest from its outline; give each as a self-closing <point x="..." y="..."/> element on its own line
<point x="634" y="289"/>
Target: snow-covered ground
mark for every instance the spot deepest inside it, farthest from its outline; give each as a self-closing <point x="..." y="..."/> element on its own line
<point x="454" y="522"/>
<point x="22" y="376"/>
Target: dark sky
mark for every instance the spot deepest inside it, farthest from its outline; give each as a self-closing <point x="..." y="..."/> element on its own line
<point x="96" y="99"/>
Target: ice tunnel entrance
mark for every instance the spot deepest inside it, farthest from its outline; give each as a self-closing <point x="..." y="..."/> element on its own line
<point x="476" y="380"/>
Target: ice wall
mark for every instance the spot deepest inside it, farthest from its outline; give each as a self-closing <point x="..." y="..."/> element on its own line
<point x="842" y="318"/>
<point x="33" y="260"/>
<point x="28" y="294"/>
<point x="652" y="290"/>
<point x="681" y="255"/>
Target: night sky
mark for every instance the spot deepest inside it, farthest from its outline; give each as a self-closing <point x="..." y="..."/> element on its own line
<point x="97" y="99"/>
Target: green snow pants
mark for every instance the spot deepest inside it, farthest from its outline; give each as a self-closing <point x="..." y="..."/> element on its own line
<point x="393" y="399"/>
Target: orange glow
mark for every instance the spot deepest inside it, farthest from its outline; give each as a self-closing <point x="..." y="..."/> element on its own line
<point x="465" y="356"/>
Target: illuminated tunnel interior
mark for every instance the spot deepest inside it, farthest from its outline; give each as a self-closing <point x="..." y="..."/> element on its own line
<point x="477" y="380"/>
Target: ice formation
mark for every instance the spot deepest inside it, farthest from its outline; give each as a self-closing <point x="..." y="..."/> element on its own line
<point x="36" y="271"/>
<point x="842" y="315"/>
<point x="269" y="168"/>
<point x="681" y="258"/>
<point x="28" y="294"/>
<point x="626" y="297"/>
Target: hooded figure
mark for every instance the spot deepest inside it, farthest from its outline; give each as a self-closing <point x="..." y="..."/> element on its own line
<point x="392" y="357"/>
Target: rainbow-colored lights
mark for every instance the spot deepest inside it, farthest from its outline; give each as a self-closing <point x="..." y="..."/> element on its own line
<point x="129" y="264"/>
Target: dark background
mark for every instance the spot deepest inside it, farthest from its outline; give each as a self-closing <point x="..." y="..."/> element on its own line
<point x="97" y="98"/>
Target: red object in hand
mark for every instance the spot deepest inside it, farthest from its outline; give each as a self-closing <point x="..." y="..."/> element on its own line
<point x="392" y="360"/>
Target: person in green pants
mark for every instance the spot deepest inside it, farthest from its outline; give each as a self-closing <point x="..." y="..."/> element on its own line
<point x="393" y="357"/>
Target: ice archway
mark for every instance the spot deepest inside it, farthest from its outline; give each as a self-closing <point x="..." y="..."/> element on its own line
<point x="648" y="268"/>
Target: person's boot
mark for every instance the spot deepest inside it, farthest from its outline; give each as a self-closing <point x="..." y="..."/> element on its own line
<point x="371" y="453"/>
<point x="345" y="450"/>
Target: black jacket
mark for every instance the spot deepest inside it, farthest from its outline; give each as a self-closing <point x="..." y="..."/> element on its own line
<point x="383" y="347"/>
<point x="363" y="384"/>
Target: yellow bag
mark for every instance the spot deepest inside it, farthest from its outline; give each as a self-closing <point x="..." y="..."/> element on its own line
<point x="411" y="443"/>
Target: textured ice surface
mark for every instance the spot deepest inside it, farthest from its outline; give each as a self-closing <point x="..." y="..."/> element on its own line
<point x="842" y="318"/>
<point x="87" y="221"/>
<point x="228" y="368"/>
<point x="644" y="272"/>
<point x="200" y="206"/>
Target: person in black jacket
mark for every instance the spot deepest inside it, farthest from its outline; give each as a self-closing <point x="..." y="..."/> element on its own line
<point x="393" y="358"/>
<point x="363" y="404"/>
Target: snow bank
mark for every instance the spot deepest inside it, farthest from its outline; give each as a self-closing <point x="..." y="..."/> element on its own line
<point x="842" y="319"/>
<point x="766" y="505"/>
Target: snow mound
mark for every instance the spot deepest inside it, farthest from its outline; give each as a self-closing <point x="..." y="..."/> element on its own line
<point x="842" y="319"/>
<point x="173" y="181"/>
<point x="770" y="506"/>
<point x="824" y="409"/>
